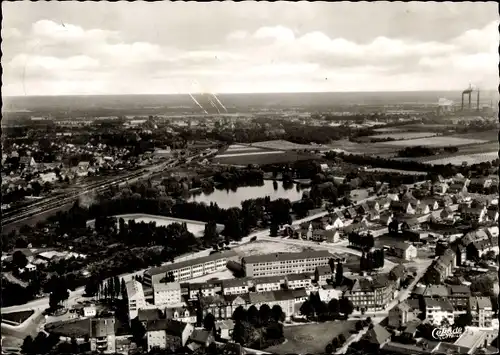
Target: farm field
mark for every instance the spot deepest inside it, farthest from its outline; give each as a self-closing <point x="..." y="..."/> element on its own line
<point x="285" y="145"/>
<point x="469" y="158"/>
<point x="372" y="149"/>
<point x="406" y="172"/>
<point x="404" y="135"/>
<point x="263" y="158"/>
<point x="311" y="338"/>
<point x="442" y="141"/>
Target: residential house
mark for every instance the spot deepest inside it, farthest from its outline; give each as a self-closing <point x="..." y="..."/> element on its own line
<point x="433" y="203"/>
<point x="442" y="267"/>
<point x="323" y="274"/>
<point x="224" y="329"/>
<point x="439" y="312"/>
<point x="478" y="248"/>
<point x="205" y="289"/>
<point x="167" y="294"/>
<point x="145" y="315"/>
<point x="377" y="336"/>
<point x="411" y="328"/>
<point x="235" y="286"/>
<point x="434" y="291"/>
<point x="330" y="235"/>
<point x="492" y="232"/>
<point x="410" y="224"/>
<point x="328" y="292"/>
<point x="492" y="213"/>
<point x="385" y="218"/>
<point x="296" y="281"/>
<point x="26" y="162"/>
<point x="167" y="334"/>
<point x="269" y="283"/>
<point x="401" y="314"/>
<point x="373" y="215"/>
<point x="474" y="214"/>
<point x="459" y="295"/>
<point x="456" y="188"/>
<point x="481" y="183"/>
<point x="288" y="300"/>
<point x="335" y="222"/>
<point x="181" y="314"/>
<point x="102" y="335"/>
<point x="135" y="298"/>
<point x="482" y="311"/>
<point x="200" y="338"/>
<point x="422" y="209"/>
<point x="446" y="201"/>
<point x="393" y="196"/>
<point x="403" y="207"/>
<point x="384" y="203"/>
<point x="447" y="214"/>
<point x="350" y="213"/>
<point x="405" y="251"/>
<point x="371" y="293"/>
<point x="222" y="307"/>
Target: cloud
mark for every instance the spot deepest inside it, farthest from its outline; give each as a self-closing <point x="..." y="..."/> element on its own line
<point x="64" y="58"/>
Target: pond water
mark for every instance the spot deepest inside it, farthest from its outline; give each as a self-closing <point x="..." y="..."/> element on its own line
<point x="228" y="198"/>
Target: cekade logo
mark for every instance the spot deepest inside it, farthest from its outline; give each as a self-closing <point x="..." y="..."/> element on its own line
<point x="446" y="333"/>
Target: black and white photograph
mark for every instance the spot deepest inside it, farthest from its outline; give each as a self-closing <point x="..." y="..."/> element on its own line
<point x="249" y="178"/>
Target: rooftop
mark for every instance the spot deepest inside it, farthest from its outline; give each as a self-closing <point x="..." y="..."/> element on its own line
<point x="308" y="254"/>
<point x="191" y="262"/>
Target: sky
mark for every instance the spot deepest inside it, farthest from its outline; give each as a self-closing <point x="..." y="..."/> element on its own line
<point x="100" y="48"/>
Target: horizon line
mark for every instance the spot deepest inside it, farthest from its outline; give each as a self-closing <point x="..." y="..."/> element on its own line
<point x="252" y="93"/>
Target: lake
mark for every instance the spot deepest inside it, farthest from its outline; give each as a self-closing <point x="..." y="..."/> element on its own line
<point x="227" y="198"/>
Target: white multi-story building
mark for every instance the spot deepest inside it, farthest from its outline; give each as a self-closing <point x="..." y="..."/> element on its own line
<point x="286" y="299"/>
<point x="295" y="281"/>
<point x="481" y="311"/>
<point x="439" y="312"/>
<point x="270" y="283"/>
<point x="284" y="263"/>
<point x="167" y="294"/>
<point x="235" y="286"/>
<point x="167" y="333"/>
<point x="190" y="269"/>
<point x="135" y="297"/>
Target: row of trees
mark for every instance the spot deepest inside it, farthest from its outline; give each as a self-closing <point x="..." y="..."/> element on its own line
<point x="372" y="260"/>
<point x="364" y="242"/>
<point x="316" y="309"/>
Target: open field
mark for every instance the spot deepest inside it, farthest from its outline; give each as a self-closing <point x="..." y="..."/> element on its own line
<point x="388" y="129"/>
<point x="269" y="157"/>
<point x="17" y="317"/>
<point x="469" y="158"/>
<point x="78" y="328"/>
<point x="404" y="135"/>
<point x="406" y="172"/>
<point x="373" y="149"/>
<point x="311" y="338"/>
<point x="442" y="141"/>
<point x="265" y="247"/>
<point x="285" y="145"/>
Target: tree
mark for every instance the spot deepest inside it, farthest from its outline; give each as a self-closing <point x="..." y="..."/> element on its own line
<point x="335" y="343"/>
<point x="333" y="306"/>
<point x="75" y="349"/>
<point x="253" y="315"/>
<point x="273" y="230"/>
<point x="264" y="313"/>
<point x="138" y="331"/>
<point x="329" y="348"/>
<point x="342" y="339"/>
<point x="210" y="234"/>
<point x="393" y="227"/>
<point x="345" y="306"/>
<point x="209" y="322"/>
<point x="277" y="313"/>
<point x="306" y="309"/>
<point x="28" y="345"/>
<point x="339" y="274"/>
<point x="123" y="289"/>
<point x="19" y="259"/>
<point x="359" y="326"/>
<point x="464" y="320"/>
<point x="239" y="314"/>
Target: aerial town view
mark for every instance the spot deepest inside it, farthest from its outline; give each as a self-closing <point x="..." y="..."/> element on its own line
<point x="249" y="178"/>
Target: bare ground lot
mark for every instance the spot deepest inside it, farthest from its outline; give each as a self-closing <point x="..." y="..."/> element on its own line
<point x="311" y="338"/>
<point x="265" y="247"/>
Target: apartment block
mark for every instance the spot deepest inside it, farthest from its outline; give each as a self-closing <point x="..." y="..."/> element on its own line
<point x="284" y="263"/>
<point x="190" y="269"/>
<point x="439" y="312"/>
<point x="482" y="311"/>
<point x="136" y="299"/>
<point x="167" y="294"/>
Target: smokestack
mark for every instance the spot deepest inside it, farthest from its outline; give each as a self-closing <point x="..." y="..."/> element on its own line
<point x="478" y="100"/>
<point x="470" y="104"/>
<point x="462" y="101"/>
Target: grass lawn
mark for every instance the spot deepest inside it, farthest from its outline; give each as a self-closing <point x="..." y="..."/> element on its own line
<point x="80" y="328"/>
<point x="18" y="317"/>
<point x="311" y="338"/>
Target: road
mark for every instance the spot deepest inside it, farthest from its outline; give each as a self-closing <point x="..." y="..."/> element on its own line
<point x="377" y="317"/>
